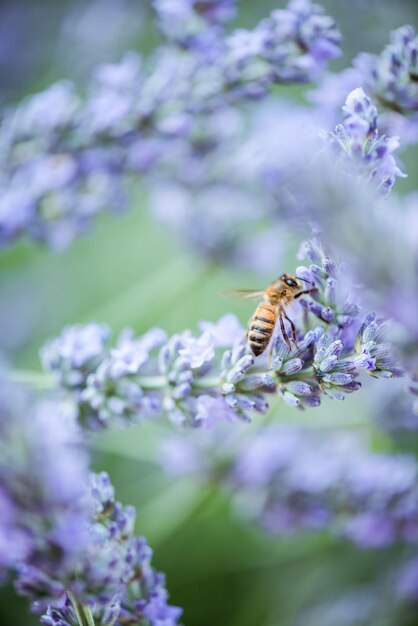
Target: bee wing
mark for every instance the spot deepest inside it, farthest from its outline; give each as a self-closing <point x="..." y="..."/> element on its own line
<point x="242" y="294"/>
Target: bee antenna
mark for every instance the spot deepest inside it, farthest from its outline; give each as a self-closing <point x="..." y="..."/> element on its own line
<point x="304" y="280"/>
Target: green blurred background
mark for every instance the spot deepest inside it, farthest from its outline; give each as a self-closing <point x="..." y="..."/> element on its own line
<point x="129" y="271"/>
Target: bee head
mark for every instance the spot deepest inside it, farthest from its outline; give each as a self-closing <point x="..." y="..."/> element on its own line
<point x="289" y="281"/>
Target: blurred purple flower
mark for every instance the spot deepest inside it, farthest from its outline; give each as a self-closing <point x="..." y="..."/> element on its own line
<point x="389" y="78"/>
<point x="72" y="158"/>
<point x="289" y="480"/>
<point x="112" y="575"/>
<point x="358" y="140"/>
<point x="43" y="471"/>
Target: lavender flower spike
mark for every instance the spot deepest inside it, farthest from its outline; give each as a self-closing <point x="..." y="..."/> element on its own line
<point x="370" y="343"/>
<point x="193" y="23"/>
<point x="359" y="142"/>
<point x="43" y="468"/>
<point x="64" y="159"/>
<point x="289" y="480"/>
<point x="112" y="579"/>
<point x="196" y="380"/>
<point x="390" y="80"/>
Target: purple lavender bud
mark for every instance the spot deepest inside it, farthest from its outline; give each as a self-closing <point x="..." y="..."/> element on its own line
<point x="226" y="360"/>
<point x="315" y="308"/>
<point x="292" y="367"/>
<point x="75" y="353"/>
<point x="327" y="314"/>
<point x="330" y="293"/>
<point x="328" y="363"/>
<point x="239" y="370"/>
<point x="338" y="379"/>
<point x="359" y="113"/>
<point x="182" y="391"/>
<point x="330" y="266"/>
<point x="227" y="388"/>
<point x="312" y="401"/>
<point x="276" y="362"/>
<point x="289" y="398"/>
<point x="255" y="381"/>
<point x="304" y="273"/>
<point x="299" y="388"/>
<point x="369" y="342"/>
<point x="313" y="251"/>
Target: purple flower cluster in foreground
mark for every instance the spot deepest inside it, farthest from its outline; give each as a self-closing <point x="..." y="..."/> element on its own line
<point x="290" y="480"/>
<point x="67" y="543"/>
<point x="42" y="472"/>
<point x="197" y="379"/>
<point x="113" y="576"/>
<point x="64" y="159"/>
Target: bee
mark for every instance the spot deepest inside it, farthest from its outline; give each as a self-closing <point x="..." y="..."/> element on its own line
<point x="275" y="298"/>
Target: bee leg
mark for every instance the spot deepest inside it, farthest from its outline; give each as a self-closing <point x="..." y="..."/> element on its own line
<point x="292" y="326"/>
<point x="306" y="291"/>
<point x="284" y="334"/>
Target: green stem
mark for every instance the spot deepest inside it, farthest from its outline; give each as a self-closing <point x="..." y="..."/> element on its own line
<point x="42" y="380"/>
<point x="32" y="379"/>
<point x="302" y="375"/>
<point x="82" y="611"/>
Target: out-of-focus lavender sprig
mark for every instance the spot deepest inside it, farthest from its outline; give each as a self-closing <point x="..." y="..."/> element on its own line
<point x="64" y="159"/>
<point x="389" y="78"/>
<point x="197" y="380"/>
<point x="195" y="24"/>
<point x="297" y="43"/>
<point x="113" y="576"/>
<point x="233" y="199"/>
<point x="363" y="230"/>
<point x="43" y="468"/>
<point x="67" y="543"/>
<point x="290" y="480"/>
<point x="358" y="140"/>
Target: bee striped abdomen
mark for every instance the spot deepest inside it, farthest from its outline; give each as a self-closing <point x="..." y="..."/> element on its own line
<point x="261" y="328"/>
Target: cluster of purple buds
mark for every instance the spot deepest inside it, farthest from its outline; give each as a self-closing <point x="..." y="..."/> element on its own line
<point x="370" y="342"/>
<point x="333" y="483"/>
<point x="291" y="480"/>
<point x="67" y="543"/>
<point x="389" y="78"/>
<point x="112" y="580"/>
<point x="270" y="170"/>
<point x="393" y="74"/>
<point x="358" y="141"/>
<point x="292" y="45"/>
<point x="196" y="380"/>
<point x="65" y="159"/>
<point x="331" y="301"/>
<point x="43" y="470"/>
<point x="195" y="24"/>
